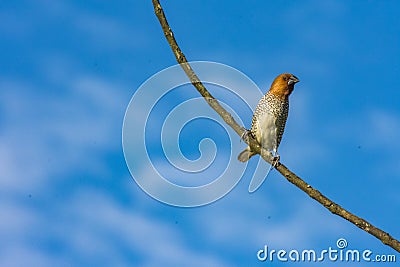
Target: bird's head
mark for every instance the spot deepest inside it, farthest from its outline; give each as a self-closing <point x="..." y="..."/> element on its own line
<point x="283" y="85"/>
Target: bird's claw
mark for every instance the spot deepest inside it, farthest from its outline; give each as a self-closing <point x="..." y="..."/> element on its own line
<point x="275" y="161"/>
<point x="245" y="135"/>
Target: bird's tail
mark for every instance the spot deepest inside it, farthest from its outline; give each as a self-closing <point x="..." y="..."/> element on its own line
<point x="245" y="155"/>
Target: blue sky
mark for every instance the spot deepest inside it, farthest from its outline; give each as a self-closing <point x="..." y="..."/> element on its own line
<point x="68" y="70"/>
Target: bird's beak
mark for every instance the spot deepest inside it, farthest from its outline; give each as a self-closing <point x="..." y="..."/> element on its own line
<point x="293" y="79"/>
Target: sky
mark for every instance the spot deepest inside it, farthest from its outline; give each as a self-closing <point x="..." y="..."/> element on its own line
<point x="68" y="72"/>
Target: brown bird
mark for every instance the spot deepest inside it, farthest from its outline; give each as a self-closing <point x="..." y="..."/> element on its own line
<point x="269" y="119"/>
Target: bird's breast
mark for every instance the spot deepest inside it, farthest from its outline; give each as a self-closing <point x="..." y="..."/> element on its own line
<point x="266" y="134"/>
<point x="269" y="121"/>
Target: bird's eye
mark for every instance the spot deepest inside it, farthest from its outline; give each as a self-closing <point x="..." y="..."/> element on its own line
<point x="285" y="78"/>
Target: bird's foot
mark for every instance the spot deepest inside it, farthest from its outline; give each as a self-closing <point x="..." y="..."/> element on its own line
<point x="275" y="161"/>
<point x="245" y="135"/>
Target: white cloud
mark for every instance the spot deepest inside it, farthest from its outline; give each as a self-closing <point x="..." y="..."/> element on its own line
<point x="249" y="224"/>
<point x="95" y="218"/>
<point x="376" y="128"/>
<point x="64" y="129"/>
<point x="46" y="134"/>
<point x="384" y="128"/>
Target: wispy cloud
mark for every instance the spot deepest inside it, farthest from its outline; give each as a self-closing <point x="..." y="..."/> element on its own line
<point x="66" y="196"/>
<point x="44" y="134"/>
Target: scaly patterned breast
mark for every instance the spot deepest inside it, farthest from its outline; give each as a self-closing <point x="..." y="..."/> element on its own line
<point x="269" y="119"/>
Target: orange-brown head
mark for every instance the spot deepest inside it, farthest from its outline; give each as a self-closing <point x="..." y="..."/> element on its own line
<point x="283" y="85"/>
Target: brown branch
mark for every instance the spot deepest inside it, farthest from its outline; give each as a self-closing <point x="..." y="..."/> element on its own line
<point x="290" y="176"/>
<point x="180" y="57"/>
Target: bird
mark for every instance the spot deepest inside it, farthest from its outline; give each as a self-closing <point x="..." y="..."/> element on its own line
<point x="269" y="118"/>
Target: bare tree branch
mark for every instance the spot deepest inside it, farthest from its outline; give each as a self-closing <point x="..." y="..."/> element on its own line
<point x="386" y="238"/>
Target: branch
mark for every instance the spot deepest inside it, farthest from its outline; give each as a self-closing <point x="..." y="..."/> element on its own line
<point x="386" y="238"/>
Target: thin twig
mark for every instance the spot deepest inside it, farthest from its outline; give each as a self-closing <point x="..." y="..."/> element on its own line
<point x="290" y="176"/>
